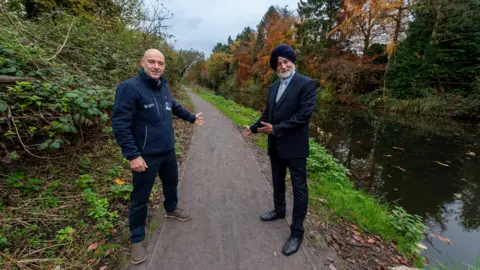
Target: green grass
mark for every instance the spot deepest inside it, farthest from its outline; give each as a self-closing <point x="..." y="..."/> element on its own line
<point x="239" y="114"/>
<point x="328" y="181"/>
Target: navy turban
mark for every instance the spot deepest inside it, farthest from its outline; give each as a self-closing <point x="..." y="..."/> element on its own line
<point x="284" y="51"/>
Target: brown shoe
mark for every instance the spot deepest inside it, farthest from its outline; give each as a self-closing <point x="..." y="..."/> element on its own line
<point x="179" y="214"/>
<point x="137" y="253"/>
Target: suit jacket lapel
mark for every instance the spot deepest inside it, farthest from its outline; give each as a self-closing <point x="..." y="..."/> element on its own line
<point x="271" y="101"/>
<point x="287" y="90"/>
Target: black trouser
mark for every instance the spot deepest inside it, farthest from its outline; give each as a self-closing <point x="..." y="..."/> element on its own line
<point x="298" y="172"/>
<point x="166" y="167"/>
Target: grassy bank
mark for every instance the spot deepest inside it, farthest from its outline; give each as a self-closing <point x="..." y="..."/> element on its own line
<point x="330" y="188"/>
<point x="72" y="213"/>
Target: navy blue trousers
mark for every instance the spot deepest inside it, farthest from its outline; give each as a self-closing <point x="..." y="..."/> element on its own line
<point x="166" y="167"/>
<point x="298" y="173"/>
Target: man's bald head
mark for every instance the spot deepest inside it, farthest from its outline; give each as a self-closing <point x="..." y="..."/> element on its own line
<point x="153" y="53"/>
<point x="153" y="62"/>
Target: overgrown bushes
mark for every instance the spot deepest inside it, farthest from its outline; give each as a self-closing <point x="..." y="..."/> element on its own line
<point x="67" y="68"/>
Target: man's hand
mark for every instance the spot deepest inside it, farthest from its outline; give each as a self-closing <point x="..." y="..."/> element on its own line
<point x="246" y="132"/>
<point x="199" y="120"/>
<point x="267" y="128"/>
<point x="138" y="164"/>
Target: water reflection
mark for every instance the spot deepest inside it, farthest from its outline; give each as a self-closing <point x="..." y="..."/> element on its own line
<point x="423" y="165"/>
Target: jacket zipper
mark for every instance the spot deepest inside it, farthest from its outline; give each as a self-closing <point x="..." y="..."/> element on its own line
<point x="158" y="110"/>
<point x="146" y="135"/>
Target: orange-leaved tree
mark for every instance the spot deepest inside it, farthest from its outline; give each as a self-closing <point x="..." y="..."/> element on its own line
<point x="242" y="50"/>
<point x="279" y="28"/>
<point x="367" y="22"/>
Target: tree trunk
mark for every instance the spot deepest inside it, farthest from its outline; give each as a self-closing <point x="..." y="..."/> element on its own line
<point x="398" y="27"/>
<point x="437" y="7"/>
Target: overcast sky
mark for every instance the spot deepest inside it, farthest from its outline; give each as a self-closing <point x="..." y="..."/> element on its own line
<point x="200" y="24"/>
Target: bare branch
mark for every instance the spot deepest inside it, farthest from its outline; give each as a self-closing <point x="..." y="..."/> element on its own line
<point x="10" y="116"/>
<point x="12" y="80"/>
<point x="64" y="42"/>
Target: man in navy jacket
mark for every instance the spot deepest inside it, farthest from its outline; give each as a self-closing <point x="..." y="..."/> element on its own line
<point x="290" y="104"/>
<point x="142" y="125"/>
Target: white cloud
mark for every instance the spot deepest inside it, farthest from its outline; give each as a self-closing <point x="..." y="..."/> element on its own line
<point x="200" y="24"/>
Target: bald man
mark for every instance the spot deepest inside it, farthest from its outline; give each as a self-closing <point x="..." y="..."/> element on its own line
<point x="142" y="125"/>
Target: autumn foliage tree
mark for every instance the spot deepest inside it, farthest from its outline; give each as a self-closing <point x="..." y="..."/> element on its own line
<point x="388" y="49"/>
<point x="367" y="22"/>
<point x="242" y="50"/>
<point x="279" y="29"/>
<point x="217" y="67"/>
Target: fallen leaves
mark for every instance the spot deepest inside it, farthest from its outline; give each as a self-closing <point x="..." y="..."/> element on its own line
<point x="119" y="181"/>
<point x="422" y="246"/>
<point x="400" y="168"/>
<point x="470" y="153"/>
<point x="358" y="238"/>
<point x="321" y="200"/>
<point x="446" y="240"/>
<point x="398" y="148"/>
<point x="93" y="246"/>
<point x="387" y="155"/>
<point x="96" y="244"/>
<point x="443" y="164"/>
<point x="357" y="246"/>
<point x="459" y="196"/>
<point x="352" y="261"/>
<point x="370" y="240"/>
<point x="109" y="251"/>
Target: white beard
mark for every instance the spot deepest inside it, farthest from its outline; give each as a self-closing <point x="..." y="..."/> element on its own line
<point x="286" y="74"/>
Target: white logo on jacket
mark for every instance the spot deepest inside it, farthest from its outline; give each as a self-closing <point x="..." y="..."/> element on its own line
<point x="148" y="105"/>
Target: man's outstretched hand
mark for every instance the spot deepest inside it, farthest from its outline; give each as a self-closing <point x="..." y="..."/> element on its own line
<point x="199" y="121"/>
<point x="267" y="128"/>
<point x="246" y="132"/>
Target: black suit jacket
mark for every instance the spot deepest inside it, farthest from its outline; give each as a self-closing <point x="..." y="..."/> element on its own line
<point x="290" y="117"/>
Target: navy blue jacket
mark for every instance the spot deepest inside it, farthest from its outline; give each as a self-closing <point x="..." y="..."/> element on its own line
<point x="290" y="117"/>
<point x="142" y="117"/>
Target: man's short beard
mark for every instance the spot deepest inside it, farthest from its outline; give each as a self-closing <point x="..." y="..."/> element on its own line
<point x="287" y="73"/>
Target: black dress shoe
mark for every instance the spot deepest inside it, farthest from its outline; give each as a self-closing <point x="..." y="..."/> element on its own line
<point x="292" y="245"/>
<point x="272" y="216"/>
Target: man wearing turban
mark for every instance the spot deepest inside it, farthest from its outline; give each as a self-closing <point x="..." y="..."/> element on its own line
<point x="290" y="103"/>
